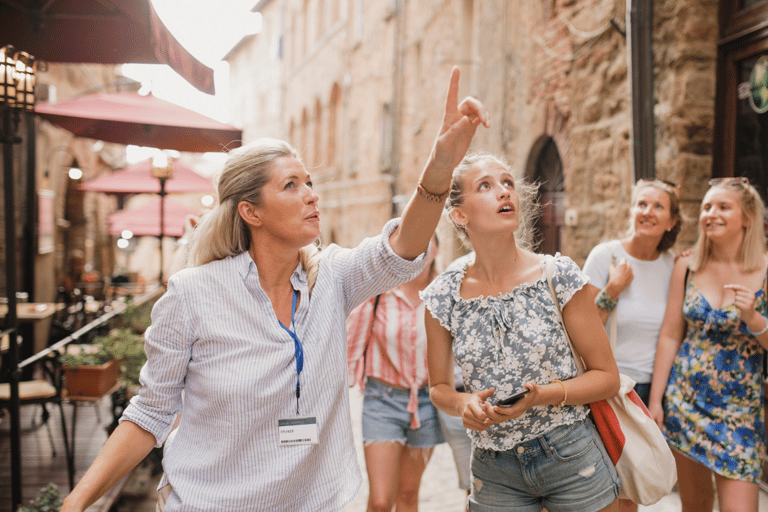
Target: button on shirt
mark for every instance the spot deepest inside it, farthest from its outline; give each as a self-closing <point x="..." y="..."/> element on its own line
<point x="215" y="336"/>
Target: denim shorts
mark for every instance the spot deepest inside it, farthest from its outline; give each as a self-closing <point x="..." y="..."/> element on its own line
<point x="564" y="470"/>
<point x="386" y="417"/>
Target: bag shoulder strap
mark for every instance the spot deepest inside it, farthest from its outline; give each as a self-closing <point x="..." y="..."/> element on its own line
<point x="550" y="271"/>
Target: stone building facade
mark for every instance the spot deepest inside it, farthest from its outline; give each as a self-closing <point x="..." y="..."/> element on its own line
<point x="360" y="87"/>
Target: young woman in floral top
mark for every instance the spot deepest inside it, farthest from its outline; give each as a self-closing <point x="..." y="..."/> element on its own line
<point x="496" y="315"/>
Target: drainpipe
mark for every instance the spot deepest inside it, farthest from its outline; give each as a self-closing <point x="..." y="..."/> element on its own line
<point x="640" y="53"/>
<point x="397" y="102"/>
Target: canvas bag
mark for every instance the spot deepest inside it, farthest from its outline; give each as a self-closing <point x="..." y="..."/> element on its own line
<point x="632" y="439"/>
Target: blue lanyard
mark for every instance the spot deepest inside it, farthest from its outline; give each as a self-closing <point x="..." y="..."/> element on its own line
<point x="299" y="350"/>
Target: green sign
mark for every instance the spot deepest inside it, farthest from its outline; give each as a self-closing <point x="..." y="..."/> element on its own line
<point x="758" y="85"/>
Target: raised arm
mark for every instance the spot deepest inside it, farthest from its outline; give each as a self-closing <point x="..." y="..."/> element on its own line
<point x="670" y="338"/>
<point x="422" y="213"/>
<point x="619" y="277"/>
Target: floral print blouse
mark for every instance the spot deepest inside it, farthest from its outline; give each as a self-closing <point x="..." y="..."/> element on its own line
<point x="505" y="341"/>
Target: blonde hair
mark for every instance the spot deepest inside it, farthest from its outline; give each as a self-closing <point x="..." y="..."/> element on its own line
<point x="222" y="232"/>
<point x="670" y="237"/>
<point x="753" y="245"/>
<point x="529" y="208"/>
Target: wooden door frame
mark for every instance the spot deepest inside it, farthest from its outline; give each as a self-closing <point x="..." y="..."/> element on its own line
<point x="742" y="34"/>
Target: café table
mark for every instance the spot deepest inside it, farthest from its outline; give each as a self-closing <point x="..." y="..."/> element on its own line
<point x="29" y="314"/>
<point x="32" y="311"/>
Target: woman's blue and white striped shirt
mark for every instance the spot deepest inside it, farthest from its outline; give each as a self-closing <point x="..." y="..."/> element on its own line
<point x="215" y="337"/>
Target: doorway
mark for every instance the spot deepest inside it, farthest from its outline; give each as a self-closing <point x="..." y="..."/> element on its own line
<point x="546" y="168"/>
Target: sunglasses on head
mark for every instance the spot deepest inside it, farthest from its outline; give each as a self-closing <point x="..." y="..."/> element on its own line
<point x="669" y="186"/>
<point x="728" y="180"/>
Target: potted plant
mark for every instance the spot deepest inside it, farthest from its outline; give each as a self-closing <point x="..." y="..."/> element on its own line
<point x="137" y="317"/>
<point x="92" y="370"/>
<point x="48" y="499"/>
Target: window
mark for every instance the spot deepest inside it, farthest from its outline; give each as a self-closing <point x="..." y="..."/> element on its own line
<point x="304" y="135"/>
<point x="317" y="149"/>
<point x="333" y="112"/>
<point x="320" y="18"/>
<point x="741" y="117"/>
<point x="359" y="21"/>
<point x="387" y="127"/>
<point x="353" y="142"/>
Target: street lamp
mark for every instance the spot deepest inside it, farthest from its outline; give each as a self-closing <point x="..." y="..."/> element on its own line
<point x="17" y="94"/>
<point x="162" y="169"/>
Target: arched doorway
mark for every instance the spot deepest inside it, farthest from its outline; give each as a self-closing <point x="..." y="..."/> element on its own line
<point x="546" y="168"/>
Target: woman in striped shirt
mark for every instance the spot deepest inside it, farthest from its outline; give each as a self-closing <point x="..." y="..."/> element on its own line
<point x="249" y="345"/>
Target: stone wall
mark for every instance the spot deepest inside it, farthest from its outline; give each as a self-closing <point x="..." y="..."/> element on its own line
<point x="685" y="46"/>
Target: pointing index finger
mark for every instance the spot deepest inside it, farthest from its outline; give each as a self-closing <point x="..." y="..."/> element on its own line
<point x="452" y="99"/>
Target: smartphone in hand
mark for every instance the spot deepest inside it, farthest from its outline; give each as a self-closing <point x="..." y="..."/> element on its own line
<point x="512" y="400"/>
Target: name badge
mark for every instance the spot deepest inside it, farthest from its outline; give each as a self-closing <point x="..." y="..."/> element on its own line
<point x="297" y="431"/>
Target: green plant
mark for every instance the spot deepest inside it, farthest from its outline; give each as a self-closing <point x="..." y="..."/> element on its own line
<point x="122" y="344"/>
<point x="48" y="499"/>
<point x="137" y="318"/>
<point x="94" y="355"/>
<point x="128" y="347"/>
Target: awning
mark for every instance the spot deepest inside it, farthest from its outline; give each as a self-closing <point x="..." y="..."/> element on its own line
<point x="98" y="31"/>
<point x="145" y="220"/>
<point x="138" y="179"/>
<point x="130" y="118"/>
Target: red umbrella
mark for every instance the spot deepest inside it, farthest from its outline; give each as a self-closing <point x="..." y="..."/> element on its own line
<point x="138" y="179"/>
<point x="145" y="220"/>
<point x="98" y="31"/>
<point x="129" y="118"/>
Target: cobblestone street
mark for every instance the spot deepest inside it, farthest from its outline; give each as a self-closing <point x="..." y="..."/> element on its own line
<point x="439" y="486"/>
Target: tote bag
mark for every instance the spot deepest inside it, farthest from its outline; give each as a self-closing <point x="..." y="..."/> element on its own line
<point x="632" y="439"/>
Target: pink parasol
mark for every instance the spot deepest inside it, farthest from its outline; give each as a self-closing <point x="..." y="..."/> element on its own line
<point x="130" y="118"/>
<point x="145" y="220"/>
<point x="138" y="179"/>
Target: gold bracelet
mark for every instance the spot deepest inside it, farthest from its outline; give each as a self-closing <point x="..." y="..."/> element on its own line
<point x="565" y="389"/>
<point x="429" y="196"/>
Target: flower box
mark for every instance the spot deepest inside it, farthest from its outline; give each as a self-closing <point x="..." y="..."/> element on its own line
<point x="91" y="381"/>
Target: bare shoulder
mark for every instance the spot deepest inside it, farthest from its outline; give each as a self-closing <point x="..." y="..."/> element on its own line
<point x="681" y="263"/>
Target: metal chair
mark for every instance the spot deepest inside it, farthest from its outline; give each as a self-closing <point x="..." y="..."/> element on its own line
<point x="43" y="391"/>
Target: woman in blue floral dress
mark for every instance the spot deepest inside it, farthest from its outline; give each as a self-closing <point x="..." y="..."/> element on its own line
<point x="707" y="392"/>
<point x="494" y="312"/>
